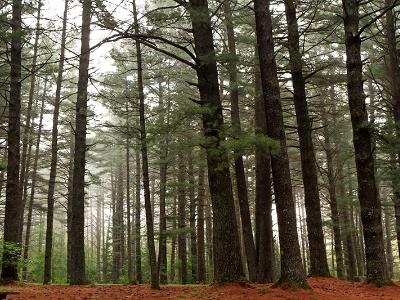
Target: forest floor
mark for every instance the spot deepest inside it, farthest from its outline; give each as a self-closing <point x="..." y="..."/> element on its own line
<point x="321" y="288"/>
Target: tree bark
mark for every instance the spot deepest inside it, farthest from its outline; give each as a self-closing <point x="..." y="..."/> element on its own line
<point x="319" y="262"/>
<point x="78" y="190"/>
<point x="12" y="224"/>
<point x="227" y="261"/>
<point x="292" y="271"/>
<point x="367" y="191"/>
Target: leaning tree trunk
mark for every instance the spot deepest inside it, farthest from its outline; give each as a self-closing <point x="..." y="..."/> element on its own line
<point x="318" y="260"/>
<point x="11" y="241"/>
<point x="54" y="152"/>
<point x="227" y="260"/>
<point x="367" y="191"/>
<point x="33" y="187"/>
<point x="145" y="163"/>
<point x="292" y="271"/>
<point x="78" y="186"/>
<point x="241" y="185"/>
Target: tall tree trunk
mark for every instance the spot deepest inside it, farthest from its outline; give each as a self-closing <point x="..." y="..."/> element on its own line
<point x="201" y="263"/>
<point x="128" y="207"/>
<point x="263" y="197"/>
<point x="145" y="164"/>
<point x="209" y="234"/>
<point x="27" y="133"/>
<point x="78" y="190"/>
<point x="192" y="217"/>
<point x="162" y="251"/>
<point x="69" y="203"/>
<point x="54" y="152"/>
<point x="367" y="191"/>
<point x="138" y="237"/>
<point x="99" y="205"/>
<point x="319" y="262"/>
<point x="241" y="186"/>
<point x="394" y="72"/>
<point x="292" y="271"/>
<point x="226" y="248"/>
<point x="337" y="236"/>
<point x="115" y="232"/>
<point x="182" y="256"/>
<point x="347" y="226"/>
<point x="173" y="242"/>
<point x="33" y="187"/>
<point x="11" y="239"/>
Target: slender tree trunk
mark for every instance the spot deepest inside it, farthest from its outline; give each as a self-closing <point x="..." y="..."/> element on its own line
<point x="241" y="186"/>
<point x="263" y="201"/>
<point x="33" y="187"/>
<point x="54" y="152"/>
<point x="201" y="263"/>
<point x="367" y="191"/>
<point x="145" y="164"/>
<point x="209" y="234"/>
<point x="162" y="251"/>
<point x="389" y="251"/>
<point x="319" y="262"/>
<point x="128" y="208"/>
<point x="192" y="217"/>
<point x="27" y="133"/>
<point x="292" y="271"/>
<point x="227" y="260"/>
<point x="99" y="203"/>
<point x="78" y="190"/>
<point x="182" y="255"/>
<point x="173" y="242"/>
<point x="337" y="236"/>
<point x="69" y="204"/>
<point x="12" y="224"/>
<point x="347" y="229"/>
<point x="138" y="244"/>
